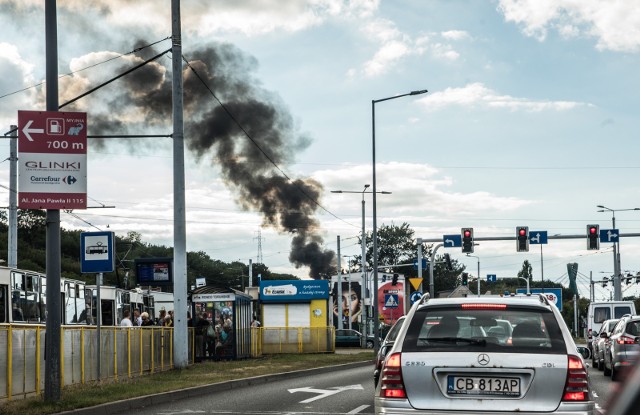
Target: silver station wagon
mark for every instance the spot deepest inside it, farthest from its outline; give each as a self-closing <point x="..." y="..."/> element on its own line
<point x="448" y="360"/>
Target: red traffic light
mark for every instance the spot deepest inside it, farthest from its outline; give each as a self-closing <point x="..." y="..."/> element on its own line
<point x="467" y="233"/>
<point x="522" y="232"/>
<point x="593" y="230"/>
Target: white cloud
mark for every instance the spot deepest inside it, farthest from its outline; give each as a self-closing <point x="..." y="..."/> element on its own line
<point x="16" y="74"/>
<point x="417" y="189"/>
<point x="395" y="45"/>
<point x="455" y="35"/>
<point x="615" y="23"/>
<point x="478" y="95"/>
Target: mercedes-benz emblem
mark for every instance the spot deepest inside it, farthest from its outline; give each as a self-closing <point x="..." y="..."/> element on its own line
<point x="483" y="359"/>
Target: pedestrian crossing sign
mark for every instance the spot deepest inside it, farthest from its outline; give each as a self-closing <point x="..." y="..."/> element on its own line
<point x="391" y="300"/>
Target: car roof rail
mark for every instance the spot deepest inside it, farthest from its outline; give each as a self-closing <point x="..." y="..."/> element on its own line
<point x="543" y="299"/>
<point x="424" y="299"/>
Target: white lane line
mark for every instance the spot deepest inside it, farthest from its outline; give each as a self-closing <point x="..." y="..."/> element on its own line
<point x="358" y="409"/>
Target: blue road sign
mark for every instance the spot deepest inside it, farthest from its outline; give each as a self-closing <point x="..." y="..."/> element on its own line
<point x="492" y="278"/>
<point x="609" y="235"/>
<point x="391" y="300"/>
<point x="554" y="295"/>
<point x="452" y="241"/>
<point x="424" y="263"/>
<point x="97" y="252"/>
<point x="537" y="237"/>
<point x="415" y="296"/>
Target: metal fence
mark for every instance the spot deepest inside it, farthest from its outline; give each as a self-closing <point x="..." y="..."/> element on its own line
<point x="125" y="352"/>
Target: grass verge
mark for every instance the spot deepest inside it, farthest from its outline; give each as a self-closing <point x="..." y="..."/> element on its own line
<point x="96" y="393"/>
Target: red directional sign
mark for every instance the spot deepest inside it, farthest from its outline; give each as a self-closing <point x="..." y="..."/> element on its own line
<point x="52" y="160"/>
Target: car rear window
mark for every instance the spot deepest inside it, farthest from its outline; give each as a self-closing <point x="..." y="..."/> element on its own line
<point x="393" y="333"/>
<point x="633" y="328"/>
<point x="458" y="329"/>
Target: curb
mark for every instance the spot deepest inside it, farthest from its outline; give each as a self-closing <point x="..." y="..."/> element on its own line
<point x="164" y="397"/>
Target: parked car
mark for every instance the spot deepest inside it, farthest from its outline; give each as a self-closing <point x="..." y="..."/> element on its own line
<point x="444" y="362"/>
<point x="600" y="343"/>
<point x="624" y="346"/>
<point x="352" y="338"/>
<point x="385" y="346"/>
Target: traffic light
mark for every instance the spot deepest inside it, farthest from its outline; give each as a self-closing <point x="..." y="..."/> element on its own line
<point x="593" y="237"/>
<point x="394" y="280"/>
<point x="522" y="238"/>
<point x="465" y="278"/>
<point x="447" y="260"/>
<point x="467" y="240"/>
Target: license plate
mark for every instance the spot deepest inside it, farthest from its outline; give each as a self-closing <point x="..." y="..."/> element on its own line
<point x="483" y="385"/>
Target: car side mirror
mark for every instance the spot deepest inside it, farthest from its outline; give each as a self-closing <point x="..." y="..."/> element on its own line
<point x="584" y="352"/>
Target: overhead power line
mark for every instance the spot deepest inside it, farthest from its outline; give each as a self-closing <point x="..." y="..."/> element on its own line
<point x="88" y="67"/>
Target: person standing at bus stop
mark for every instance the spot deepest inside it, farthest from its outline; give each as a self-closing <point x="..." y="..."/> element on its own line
<point x="126" y="321"/>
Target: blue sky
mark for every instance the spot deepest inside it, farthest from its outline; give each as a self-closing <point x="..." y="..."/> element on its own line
<point x="530" y="118"/>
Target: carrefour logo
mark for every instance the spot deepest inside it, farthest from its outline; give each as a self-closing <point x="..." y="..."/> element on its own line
<point x="69" y="180"/>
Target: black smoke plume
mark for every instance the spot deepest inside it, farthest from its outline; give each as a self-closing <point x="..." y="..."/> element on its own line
<point x="287" y="205"/>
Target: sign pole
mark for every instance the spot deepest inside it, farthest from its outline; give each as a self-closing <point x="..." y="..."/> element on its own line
<point x="98" y="320"/>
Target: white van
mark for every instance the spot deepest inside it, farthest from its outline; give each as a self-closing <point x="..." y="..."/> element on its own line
<point x="599" y="311"/>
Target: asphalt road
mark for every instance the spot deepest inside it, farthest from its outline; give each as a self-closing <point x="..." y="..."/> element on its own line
<point x="333" y="390"/>
<point x="347" y="390"/>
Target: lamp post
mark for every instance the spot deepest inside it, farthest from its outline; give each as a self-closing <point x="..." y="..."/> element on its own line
<point x="478" y="258"/>
<point x="376" y="331"/>
<point x="365" y="280"/>
<point x="617" y="289"/>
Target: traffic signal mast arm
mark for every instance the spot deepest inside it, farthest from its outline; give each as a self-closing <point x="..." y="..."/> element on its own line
<point x="513" y="238"/>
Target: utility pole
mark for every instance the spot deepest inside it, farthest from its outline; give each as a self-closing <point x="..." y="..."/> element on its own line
<point x="52" y="368"/>
<point x="180" y="330"/>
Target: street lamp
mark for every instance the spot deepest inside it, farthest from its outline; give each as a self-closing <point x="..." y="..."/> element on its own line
<point x="365" y="282"/>
<point x="478" y="258"/>
<point x="617" y="289"/>
<point x="376" y="331"/>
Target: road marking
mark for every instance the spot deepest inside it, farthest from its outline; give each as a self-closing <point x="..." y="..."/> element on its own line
<point x="323" y="393"/>
<point x="358" y="409"/>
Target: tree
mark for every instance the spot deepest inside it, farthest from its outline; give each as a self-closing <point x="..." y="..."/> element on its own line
<point x="526" y="271"/>
<point x="397" y="245"/>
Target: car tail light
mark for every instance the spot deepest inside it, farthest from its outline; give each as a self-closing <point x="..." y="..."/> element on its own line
<point x="576" y="388"/>
<point x="626" y="340"/>
<point x="391" y="378"/>
<point x="590" y="334"/>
